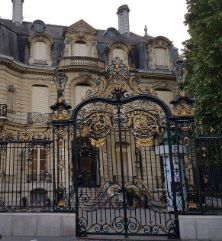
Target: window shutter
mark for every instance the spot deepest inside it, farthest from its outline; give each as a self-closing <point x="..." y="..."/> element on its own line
<point x="40" y="99"/>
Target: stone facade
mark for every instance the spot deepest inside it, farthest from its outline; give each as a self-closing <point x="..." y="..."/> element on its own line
<point x="30" y="54"/>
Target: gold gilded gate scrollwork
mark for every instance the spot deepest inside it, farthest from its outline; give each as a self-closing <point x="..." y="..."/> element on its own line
<point x="144" y="126"/>
<point x="97" y="126"/>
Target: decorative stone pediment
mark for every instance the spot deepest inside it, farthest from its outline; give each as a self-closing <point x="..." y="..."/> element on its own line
<point x="160" y="42"/>
<point x="80" y="28"/>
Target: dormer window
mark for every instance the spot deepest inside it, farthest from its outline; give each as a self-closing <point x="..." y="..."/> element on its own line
<point x="119" y="50"/>
<point x="40" y="50"/>
<point x="161" y="57"/>
<point x="159" y="54"/>
<point x="38" y="26"/>
<point x="80" y="41"/>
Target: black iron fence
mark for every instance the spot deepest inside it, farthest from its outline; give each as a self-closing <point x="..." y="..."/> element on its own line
<point x="209" y="163"/>
<point x="38" y="174"/>
<point x="30" y="177"/>
<point x="199" y="169"/>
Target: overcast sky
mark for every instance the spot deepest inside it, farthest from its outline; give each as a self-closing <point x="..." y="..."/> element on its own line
<point x="162" y="17"/>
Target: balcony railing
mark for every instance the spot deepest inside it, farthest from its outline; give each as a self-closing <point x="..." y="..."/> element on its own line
<point x="46" y="177"/>
<point x="38" y="118"/>
<point x="82" y="61"/>
<point x="3" y="110"/>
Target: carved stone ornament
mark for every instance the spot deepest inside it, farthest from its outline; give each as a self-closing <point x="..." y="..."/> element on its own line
<point x="80" y="27"/>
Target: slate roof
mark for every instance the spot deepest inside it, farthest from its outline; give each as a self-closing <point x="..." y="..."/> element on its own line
<point x="15" y="38"/>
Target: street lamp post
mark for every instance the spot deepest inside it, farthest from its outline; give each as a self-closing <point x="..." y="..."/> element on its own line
<point x="180" y="72"/>
<point x="182" y="104"/>
<point x="60" y="108"/>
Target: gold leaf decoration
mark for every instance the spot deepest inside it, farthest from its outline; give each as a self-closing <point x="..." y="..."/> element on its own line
<point x="183" y="110"/>
<point x="144" y="141"/>
<point x="98" y="143"/>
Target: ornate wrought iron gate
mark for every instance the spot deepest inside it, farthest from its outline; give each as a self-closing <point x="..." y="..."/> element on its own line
<point x="124" y="174"/>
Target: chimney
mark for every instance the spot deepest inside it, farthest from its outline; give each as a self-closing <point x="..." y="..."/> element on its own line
<point x="123" y="19"/>
<point x="17" y="12"/>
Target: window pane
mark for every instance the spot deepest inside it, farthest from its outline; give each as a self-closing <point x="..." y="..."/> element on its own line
<point x="43" y="161"/>
<point x="34" y="160"/>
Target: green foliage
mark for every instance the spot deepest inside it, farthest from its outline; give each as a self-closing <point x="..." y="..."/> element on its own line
<point x="203" y="52"/>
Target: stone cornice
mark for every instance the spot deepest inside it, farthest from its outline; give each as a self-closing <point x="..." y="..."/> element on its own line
<point x="23" y="68"/>
<point x="156" y="75"/>
<point x="42" y="70"/>
<point x="27" y="69"/>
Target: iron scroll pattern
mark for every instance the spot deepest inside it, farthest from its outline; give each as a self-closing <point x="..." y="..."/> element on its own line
<point x="121" y="201"/>
<point x="96" y="123"/>
<point x="110" y="197"/>
<point x="146" y="120"/>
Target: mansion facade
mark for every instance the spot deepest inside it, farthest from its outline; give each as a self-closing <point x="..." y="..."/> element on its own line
<point x="30" y="53"/>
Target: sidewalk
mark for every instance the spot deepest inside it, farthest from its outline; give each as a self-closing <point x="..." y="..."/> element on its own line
<point x="93" y="238"/>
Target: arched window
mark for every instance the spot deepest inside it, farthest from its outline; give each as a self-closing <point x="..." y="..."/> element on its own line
<point x="80" y="93"/>
<point x="40" y="51"/>
<point x="80" y="49"/>
<point x="118" y="50"/>
<point x="40" y="99"/>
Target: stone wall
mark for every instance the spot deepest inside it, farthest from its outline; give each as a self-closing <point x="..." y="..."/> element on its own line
<point x="196" y="227"/>
<point x="37" y="224"/>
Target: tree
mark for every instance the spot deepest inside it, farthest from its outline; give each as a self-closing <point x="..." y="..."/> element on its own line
<point x="203" y="52"/>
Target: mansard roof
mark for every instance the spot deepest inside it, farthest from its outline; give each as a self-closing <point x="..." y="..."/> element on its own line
<point x="14" y="39"/>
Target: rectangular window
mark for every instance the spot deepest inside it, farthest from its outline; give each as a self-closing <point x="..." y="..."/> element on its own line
<point x="11" y="101"/>
<point x="40" y="99"/>
<point x="127" y="162"/>
<point x="38" y="166"/>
